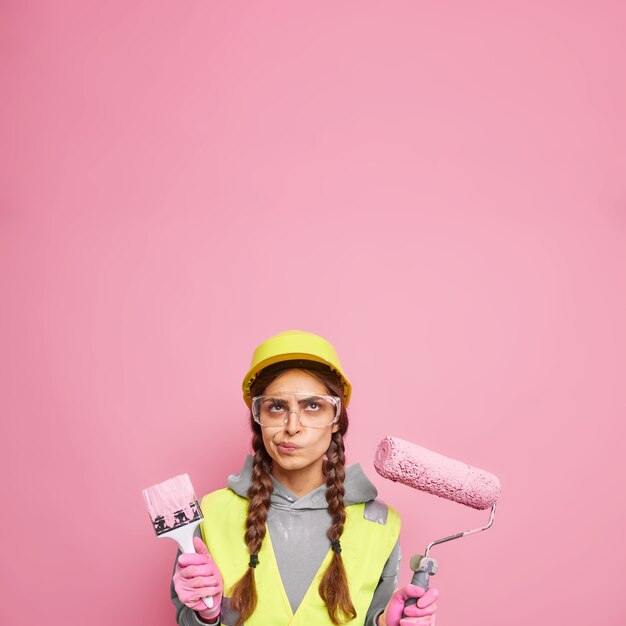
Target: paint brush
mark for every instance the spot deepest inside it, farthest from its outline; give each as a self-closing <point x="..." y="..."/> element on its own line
<point x="175" y="513"/>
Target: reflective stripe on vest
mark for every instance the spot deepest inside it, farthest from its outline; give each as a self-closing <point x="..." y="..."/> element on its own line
<point x="365" y="548"/>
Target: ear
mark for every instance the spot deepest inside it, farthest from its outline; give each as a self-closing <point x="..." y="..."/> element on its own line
<point x="335" y="428"/>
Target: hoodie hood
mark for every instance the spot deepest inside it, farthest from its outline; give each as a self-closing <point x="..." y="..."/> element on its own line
<point x="358" y="488"/>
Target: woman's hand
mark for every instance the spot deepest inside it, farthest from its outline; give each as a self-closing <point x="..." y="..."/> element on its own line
<point x="196" y="576"/>
<point x="420" y="614"/>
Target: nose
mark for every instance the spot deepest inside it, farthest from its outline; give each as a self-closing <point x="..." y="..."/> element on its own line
<point x="292" y="425"/>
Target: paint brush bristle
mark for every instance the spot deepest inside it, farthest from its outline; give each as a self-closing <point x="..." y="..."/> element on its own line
<point x="172" y="504"/>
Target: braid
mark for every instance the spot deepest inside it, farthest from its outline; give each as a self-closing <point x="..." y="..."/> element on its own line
<point x="244" y="595"/>
<point x="259" y="494"/>
<point x="335" y="475"/>
<point x="334" y="584"/>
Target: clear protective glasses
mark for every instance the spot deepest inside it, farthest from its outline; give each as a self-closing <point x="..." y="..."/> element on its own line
<point x="313" y="410"/>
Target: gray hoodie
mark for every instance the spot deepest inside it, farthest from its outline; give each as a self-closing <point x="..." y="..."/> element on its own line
<point x="297" y="528"/>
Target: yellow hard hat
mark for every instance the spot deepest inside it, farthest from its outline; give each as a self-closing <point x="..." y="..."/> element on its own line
<point x="294" y="344"/>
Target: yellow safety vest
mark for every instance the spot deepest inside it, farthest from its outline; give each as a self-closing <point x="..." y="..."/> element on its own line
<point x="365" y="548"/>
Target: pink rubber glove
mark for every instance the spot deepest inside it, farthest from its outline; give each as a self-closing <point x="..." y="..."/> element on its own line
<point x="420" y="614"/>
<point x="196" y="576"/>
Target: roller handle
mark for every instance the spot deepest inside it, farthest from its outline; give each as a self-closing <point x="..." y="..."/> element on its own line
<point x="420" y="579"/>
<point x="423" y="568"/>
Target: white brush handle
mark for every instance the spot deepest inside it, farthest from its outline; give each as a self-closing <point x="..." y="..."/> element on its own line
<point x="183" y="536"/>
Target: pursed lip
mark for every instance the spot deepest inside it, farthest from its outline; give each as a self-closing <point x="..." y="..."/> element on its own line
<point x="288" y="446"/>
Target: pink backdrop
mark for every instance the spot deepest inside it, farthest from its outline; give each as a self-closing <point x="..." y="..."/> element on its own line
<point x="437" y="188"/>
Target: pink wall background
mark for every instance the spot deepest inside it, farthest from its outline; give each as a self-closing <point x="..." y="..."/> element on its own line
<point x="437" y="188"/>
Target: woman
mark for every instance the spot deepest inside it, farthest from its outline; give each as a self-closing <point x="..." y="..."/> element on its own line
<point x="332" y="553"/>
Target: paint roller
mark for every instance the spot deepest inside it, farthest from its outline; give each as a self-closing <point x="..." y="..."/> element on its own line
<point x="417" y="467"/>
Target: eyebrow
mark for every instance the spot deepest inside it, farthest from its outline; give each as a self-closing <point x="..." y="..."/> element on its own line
<point x="309" y="398"/>
<point x="315" y="396"/>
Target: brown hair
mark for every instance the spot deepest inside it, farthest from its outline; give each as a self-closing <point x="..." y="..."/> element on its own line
<point x="333" y="587"/>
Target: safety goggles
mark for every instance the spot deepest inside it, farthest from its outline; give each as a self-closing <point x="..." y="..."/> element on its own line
<point x="313" y="410"/>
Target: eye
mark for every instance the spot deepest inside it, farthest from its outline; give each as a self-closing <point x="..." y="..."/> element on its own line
<point x="276" y="407"/>
<point x="314" y="406"/>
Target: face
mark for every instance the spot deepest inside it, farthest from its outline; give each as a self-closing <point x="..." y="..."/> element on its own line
<point x="296" y="449"/>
